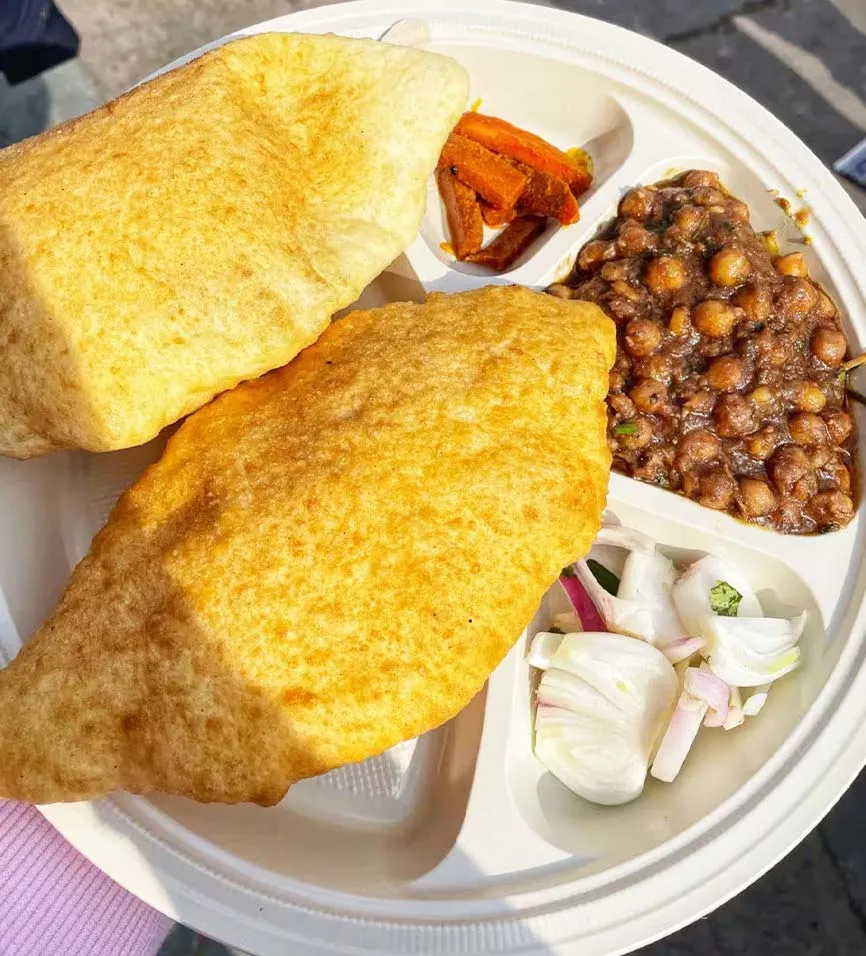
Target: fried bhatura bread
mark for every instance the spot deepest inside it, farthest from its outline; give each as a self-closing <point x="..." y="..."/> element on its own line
<point x="324" y="562"/>
<point x="203" y="228"/>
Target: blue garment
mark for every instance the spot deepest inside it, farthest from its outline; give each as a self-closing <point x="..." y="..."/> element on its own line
<point x="34" y="36"/>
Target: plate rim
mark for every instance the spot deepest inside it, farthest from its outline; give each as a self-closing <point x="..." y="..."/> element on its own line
<point x="209" y="915"/>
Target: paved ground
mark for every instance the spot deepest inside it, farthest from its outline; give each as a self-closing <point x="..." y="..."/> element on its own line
<point x="803" y="59"/>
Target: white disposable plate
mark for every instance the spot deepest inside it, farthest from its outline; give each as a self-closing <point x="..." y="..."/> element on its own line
<point x="459" y="843"/>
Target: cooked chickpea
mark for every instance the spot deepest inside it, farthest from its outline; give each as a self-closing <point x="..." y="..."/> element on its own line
<point x="698" y="446"/>
<point x="702" y="403"/>
<point x="626" y="290"/>
<point x="640" y="437"/>
<point x="689" y="219"/>
<point x="700" y="177"/>
<point x="762" y="396"/>
<point x="729" y="266"/>
<point x="806" y="488"/>
<point x="689" y="484"/>
<point x="560" y="290"/>
<point x="642" y="336"/>
<point x="829" y="346"/>
<point x="807" y="428"/>
<point x="714" y="318"/>
<point x="712" y="198"/>
<point x="796" y="298"/>
<point x="843" y="477"/>
<point x="615" y="271"/>
<point x="787" y="466"/>
<point x="679" y="323"/>
<point x="839" y="426"/>
<point x="755" y="300"/>
<point x="792" y="264"/>
<point x="717" y="489"/>
<point x="789" y="515"/>
<point x="734" y="416"/>
<point x="824" y="307"/>
<point x="649" y="395"/>
<point x="807" y="397"/>
<point x="762" y="444"/>
<point x="773" y="350"/>
<point x="836" y="472"/>
<point x="633" y="239"/>
<point x="726" y="374"/>
<point x="621" y="309"/>
<point x="637" y="204"/>
<point x="770" y="241"/>
<point x="665" y="274"/>
<point x="622" y="363"/>
<point x="655" y="366"/>
<point x="621" y="405"/>
<point x="756" y="497"/>
<point x="831" y="509"/>
<point x="651" y="466"/>
<point x="594" y="253"/>
<point x="820" y="456"/>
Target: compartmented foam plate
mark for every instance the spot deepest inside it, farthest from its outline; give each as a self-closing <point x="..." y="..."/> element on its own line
<point x="460" y="842"/>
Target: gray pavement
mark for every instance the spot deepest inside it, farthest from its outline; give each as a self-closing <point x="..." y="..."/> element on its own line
<point x="805" y="60"/>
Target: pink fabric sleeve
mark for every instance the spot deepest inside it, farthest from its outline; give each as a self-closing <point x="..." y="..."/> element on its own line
<point x="53" y="902"/>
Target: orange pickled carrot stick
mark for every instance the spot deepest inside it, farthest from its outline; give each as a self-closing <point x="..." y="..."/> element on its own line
<point x="496" y="218"/>
<point x="525" y="147"/>
<point x="463" y="212"/>
<point x="492" y="177"/>
<point x="546" y="195"/>
<point x="510" y="244"/>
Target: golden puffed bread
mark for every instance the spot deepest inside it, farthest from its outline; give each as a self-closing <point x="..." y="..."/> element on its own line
<point x="326" y="561"/>
<point x="203" y="228"/>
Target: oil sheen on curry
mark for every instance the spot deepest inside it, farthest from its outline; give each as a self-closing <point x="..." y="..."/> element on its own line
<point x="727" y="386"/>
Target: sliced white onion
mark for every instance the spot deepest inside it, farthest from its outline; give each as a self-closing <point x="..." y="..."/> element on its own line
<point x="648" y="579"/>
<point x="624" y="617"/>
<point x="602" y="704"/>
<point x="679" y="737"/>
<point x="691" y="594"/>
<point x="594" y="760"/>
<point x="682" y="649"/>
<point x="735" y="710"/>
<point x="650" y="618"/>
<point x="759" y="635"/>
<point x="543" y="649"/>
<point x="551" y="718"/>
<point x="604" y="698"/>
<point x="710" y="689"/>
<point x="755" y="702"/>
<point x="743" y="669"/>
<point x="616" y="536"/>
<point x="630" y="674"/>
<point x="563" y="691"/>
<point x="552" y="714"/>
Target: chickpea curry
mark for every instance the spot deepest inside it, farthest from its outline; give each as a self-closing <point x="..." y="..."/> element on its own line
<point x="727" y="385"/>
